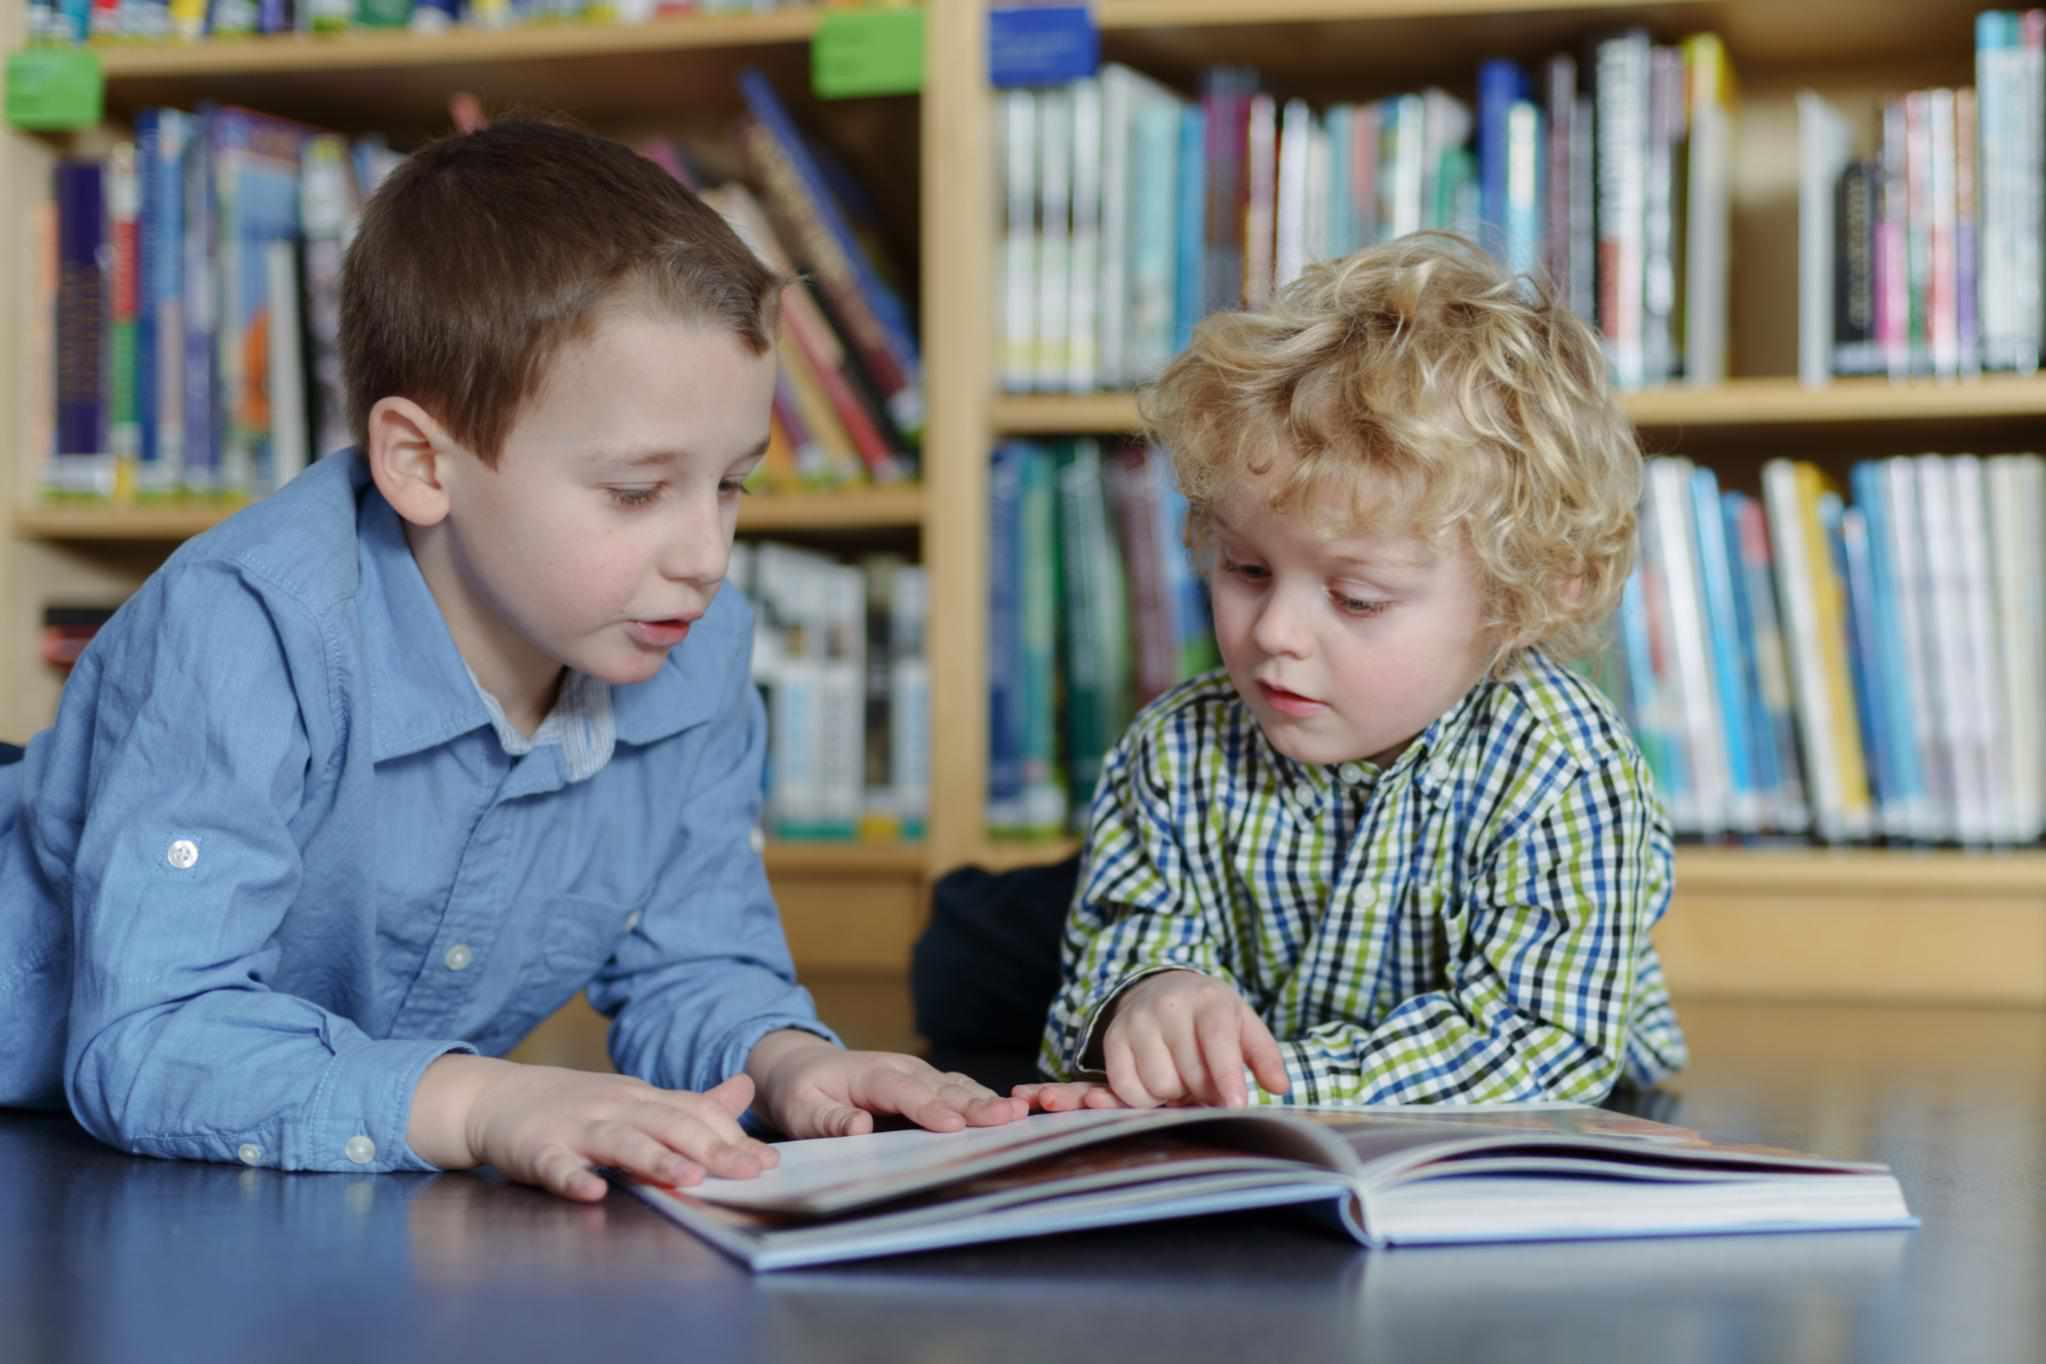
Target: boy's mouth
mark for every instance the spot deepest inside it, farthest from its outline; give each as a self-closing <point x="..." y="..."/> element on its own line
<point x="661" y="634"/>
<point x="1287" y="702"/>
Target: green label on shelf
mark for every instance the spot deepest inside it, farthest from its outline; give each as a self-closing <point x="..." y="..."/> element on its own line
<point x="868" y="52"/>
<point x="54" y="89"/>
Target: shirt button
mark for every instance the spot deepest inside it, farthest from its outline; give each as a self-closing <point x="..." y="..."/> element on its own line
<point x="756" y="838"/>
<point x="1352" y="772"/>
<point x="1306" y="794"/>
<point x="250" y="1153"/>
<point x="360" y="1149"/>
<point x="459" y="956"/>
<point x="182" y="854"/>
<point x="1365" y="897"/>
<point x="632" y="921"/>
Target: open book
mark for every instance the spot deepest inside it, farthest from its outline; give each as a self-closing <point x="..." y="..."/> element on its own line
<point x="1390" y="1176"/>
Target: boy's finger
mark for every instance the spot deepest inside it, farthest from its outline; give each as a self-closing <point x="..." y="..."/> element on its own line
<point x="734" y="1094"/>
<point x="656" y="1156"/>
<point x="1157" y="1068"/>
<point x="562" y="1172"/>
<point x="1221" y="1040"/>
<point x="1184" y="1047"/>
<point x="1262" y="1053"/>
<point x="1121" y="1066"/>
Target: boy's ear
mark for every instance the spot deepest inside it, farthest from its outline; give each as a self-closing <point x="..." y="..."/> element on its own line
<point x="408" y="453"/>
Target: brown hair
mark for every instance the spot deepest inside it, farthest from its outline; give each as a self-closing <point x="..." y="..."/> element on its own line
<point x="483" y="252"/>
<point x="1419" y="380"/>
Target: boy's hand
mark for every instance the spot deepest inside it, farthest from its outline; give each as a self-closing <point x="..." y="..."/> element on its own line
<point x="548" y="1126"/>
<point x="1064" y="1096"/>
<point x="810" y="1088"/>
<point x="1182" y="1037"/>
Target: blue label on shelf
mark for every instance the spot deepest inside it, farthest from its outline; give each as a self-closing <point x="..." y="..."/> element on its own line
<point x="1040" y="44"/>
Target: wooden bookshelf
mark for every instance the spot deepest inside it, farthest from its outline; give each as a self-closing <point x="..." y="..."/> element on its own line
<point x="844" y="509"/>
<point x="1987" y="404"/>
<point x="1830" y="924"/>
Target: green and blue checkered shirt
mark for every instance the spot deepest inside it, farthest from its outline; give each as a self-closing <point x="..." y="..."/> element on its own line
<point x="1470" y="923"/>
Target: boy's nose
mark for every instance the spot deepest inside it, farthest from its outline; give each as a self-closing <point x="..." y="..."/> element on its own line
<point x="1280" y="627"/>
<point x="696" y="548"/>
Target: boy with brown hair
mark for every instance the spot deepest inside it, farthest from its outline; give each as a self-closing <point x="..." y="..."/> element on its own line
<point x="1394" y="850"/>
<point x="364" y="783"/>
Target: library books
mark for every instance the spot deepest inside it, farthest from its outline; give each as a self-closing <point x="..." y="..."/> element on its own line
<point x="1389" y="1176"/>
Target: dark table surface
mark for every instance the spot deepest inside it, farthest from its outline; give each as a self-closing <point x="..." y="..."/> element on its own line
<point x="105" y="1257"/>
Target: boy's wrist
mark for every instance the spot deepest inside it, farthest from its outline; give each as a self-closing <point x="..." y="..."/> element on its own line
<point x="444" y="1107"/>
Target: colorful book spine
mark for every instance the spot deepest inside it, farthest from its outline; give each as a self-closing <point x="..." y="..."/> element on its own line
<point x="79" y="463"/>
<point x="124" y="298"/>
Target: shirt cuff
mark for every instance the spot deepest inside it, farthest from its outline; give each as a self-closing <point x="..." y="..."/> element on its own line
<point x="361" y="1111"/>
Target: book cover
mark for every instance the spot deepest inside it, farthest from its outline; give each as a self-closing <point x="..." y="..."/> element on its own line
<point x="1389" y="1176"/>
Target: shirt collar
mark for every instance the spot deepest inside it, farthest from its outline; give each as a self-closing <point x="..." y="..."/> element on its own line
<point x="421" y="693"/>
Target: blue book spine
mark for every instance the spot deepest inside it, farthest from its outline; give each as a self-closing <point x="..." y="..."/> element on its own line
<point x="1715" y="572"/>
<point x="1189" y="250"/>
<point x="1899" y="693"/>
<point x="1762" y="754"/>
<point x="201" y="469"/>
<point x="1341" y="231"/>
<point x="1004" y="638"/>
<point x="1500" y="83"/>
<point x="888" y="310"/>
<point x="81" y="325"/>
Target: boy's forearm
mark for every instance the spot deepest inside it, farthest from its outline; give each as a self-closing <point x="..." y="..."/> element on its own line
<point x="441" y="1105"/>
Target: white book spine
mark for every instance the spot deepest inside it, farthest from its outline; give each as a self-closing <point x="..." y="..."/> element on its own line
<point x="1054" y="236"/>
<point x="1118" y="87"/>
<point x="1822" y="146"/>
<point x="1082" y="323"/>
<point x="286" y="365"/>
<point x="1018" y="330"/>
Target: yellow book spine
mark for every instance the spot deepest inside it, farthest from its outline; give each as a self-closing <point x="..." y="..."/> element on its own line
<point x="1829" y="597"/>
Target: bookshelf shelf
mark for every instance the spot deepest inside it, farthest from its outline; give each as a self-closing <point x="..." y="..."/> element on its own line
<point x="846" y="859"/>
<point x="1738" y="406"/>
<point x="401" y="81"/>
<point x="226" y="58"/>
<point x="890" y="508"/>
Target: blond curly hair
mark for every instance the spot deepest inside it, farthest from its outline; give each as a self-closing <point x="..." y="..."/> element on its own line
<point x="1421" y="388"/>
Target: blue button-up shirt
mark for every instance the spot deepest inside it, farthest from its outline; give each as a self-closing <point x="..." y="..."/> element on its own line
<point x="280" y="852"/>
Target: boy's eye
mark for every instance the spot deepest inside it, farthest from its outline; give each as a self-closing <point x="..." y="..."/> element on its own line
<point x="1238" y="568"/>
<point x="1356" y="606"/>
<point x="634" y="497"/>
<point x="734" y="487"/>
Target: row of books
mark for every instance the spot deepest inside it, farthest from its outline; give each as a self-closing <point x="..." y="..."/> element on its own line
<point x="1130" y="212"/>
<point x="1094" y="609"/>
<point x="190" y="310"/>
<point x="79" y="21"/>
<point x="840" y="659"/>
<point x="188" y="324"/>
<point x="1920" y="251"/>
<point x="1856" y="667"/>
